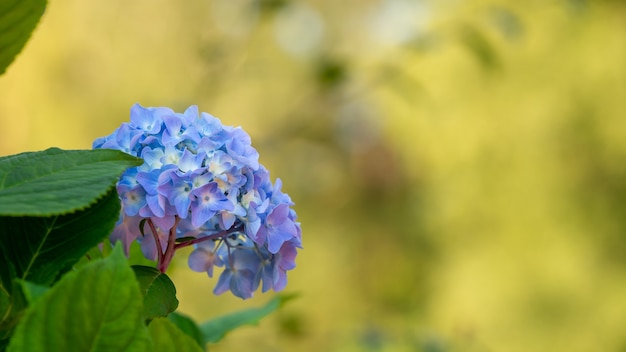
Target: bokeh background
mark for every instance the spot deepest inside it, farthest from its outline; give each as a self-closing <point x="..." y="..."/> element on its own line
<point x="459" y="167"/>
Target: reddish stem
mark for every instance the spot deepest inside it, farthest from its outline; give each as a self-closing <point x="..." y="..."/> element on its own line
<point x="157" y="241"/>
<point x="171" y="248"/>
<point x="165" y="258"/>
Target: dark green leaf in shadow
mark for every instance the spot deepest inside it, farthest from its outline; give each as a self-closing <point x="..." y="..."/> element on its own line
<point x="5" y="316"/>
<point x="167" y="337"/>
<point x="12" y="305"/>
<point x="40" y="249"/>
<point x="56" y="182"/>
<point x="7" y="271"/>
<point x="159" y="293"/>
<point x="215" y="329"/>
<point x="95" y="308"/>
<point x="5" y="300"/>
<point x="18" y="18"/>
<point x="188" y="326"/>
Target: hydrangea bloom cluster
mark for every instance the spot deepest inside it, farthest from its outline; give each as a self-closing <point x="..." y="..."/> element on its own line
<point x="201" y="184"/>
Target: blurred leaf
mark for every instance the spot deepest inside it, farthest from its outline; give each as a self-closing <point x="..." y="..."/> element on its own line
<point x="331" y="72"/>
<point x="188" y="326"/>
<point x="96" y="308"/>
<point x="41" y="248"/>
<point x="271" y="6"/>
<point x="215" y="329"/>
<point x="159" y="292"/>
<point x="578" y="5"/>
<point x="506" y="22"/>
<point x="401" y="83"/>
<point x="55" y="181"/>
<point x="167" y="337"/>
<point x="478" y="45"/>
<point x="18" y="18"/>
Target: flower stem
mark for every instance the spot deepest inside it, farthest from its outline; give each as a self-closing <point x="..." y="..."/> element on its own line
<point x="171" y="248"/>
<point x="210" y="237"/>
<point x="157" y="241"/>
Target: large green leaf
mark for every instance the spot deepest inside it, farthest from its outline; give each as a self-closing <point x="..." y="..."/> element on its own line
<point x="96" y="308"/>
<point x="159" y="293"/>
<point x="39" y="249"/>
<point x="56" y="182"/>
<point x="188" y="326"/>
<point x="214" y="330"/>
<point x="18" y="18"/>
<point x="167" y="337"/>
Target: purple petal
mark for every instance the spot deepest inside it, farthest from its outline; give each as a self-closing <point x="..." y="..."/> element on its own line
<point x="126" y="231"/>
<point x="202" y="260"/>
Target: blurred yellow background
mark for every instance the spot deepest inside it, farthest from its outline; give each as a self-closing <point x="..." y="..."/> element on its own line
<point x="459" y="167"/>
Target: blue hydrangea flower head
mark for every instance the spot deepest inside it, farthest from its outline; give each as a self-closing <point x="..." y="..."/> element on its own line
<point x="201" y="184"/>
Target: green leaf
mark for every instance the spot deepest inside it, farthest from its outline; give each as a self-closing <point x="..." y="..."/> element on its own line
<point x="5" y="300"/>
<point x="56" y="182"/>
<point x="167" y="337"/>
<point x="214" y="330"/>
<point x="188" y="326"/>
<point x="136" y="257"/>
<point x="5" y="315"/>
<point x="32" y="292"/>
<point x="92" y="254"/>
<point x="11" y="312"/>
<point x="40" y="249"/>
<point x="96" y="308"/>
<point x="7" y="273"/>
<point x="18" y="18"/>
<point x="159" y="292"/>
<point x="24" y="293"/>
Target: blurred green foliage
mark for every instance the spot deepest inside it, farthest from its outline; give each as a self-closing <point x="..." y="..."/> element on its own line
<point x="458" y="167"/>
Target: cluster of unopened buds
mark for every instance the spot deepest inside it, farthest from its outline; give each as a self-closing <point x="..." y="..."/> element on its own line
<point x="201" y="184"/>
